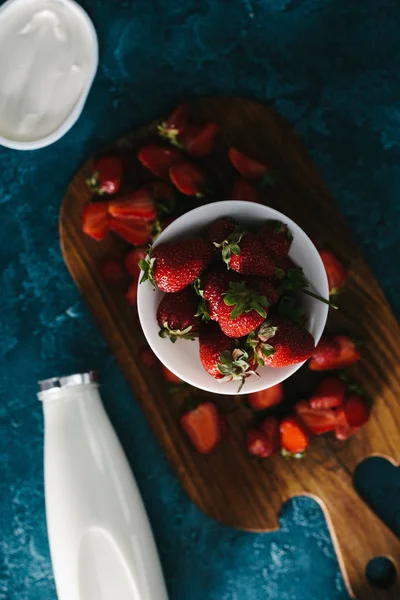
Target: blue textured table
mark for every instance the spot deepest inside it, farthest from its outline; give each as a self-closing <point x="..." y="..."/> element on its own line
<point x="333" y="69"/>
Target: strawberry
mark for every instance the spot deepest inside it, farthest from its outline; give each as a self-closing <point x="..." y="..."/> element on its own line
<point x="294" y="280"/>
<point x="351" y="416"/>
<point x="112" y="271"/>
<point x="170" y="376"/>
<point x="174" y="265"/>
<point x="329" y="394"/>
<point x="243" y="190"/>
<point x="199" y="140"/>
<point x="257" y="444"/>
<point x="215" y="283"/>
<point x="276" y="238"/>
<point x="188" y="178"/>
<point x="219" y="232"/>
<point x="159" y="159"/>
<point x="220" y="358"/>
<point x="136" y="205"/>
<point x="265" y="287"/>
<point x="176" y="315"/>
<point x="107" y="175"/>
<point x="249" y="168"/>
<point x="241" y="311"/>
<point x="270" y="427"/>
<point x="162" y="194"/>
<point x="202" y="425"/>
<point x="266" y="398"/>
<point x="174" y="125"/>
<point x="96" y="220"/>
<point x="251" y="259"/>
<point x="335" y="271"/>
<point x="294" y="437"/>
<point x="280" y="343"/>
<point x="134" y="231"/>
<point x="335" y="352"/>
<point x="131" y="294"/>
<point x="132" y="260"/>
<point x="147" y="357"/>
<point x="317" y="421"/>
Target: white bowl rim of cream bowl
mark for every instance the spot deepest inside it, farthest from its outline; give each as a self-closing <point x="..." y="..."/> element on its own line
<point x="51" y="52"/>
<point x="182" y="358"/>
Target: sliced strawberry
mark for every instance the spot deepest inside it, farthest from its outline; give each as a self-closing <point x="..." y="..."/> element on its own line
<point x="351" y="416"/>
<point x="335" y="271"/>
<point x="257" y="444"/>
<point x="243" y="190"/>
<point x="107" y="175"/>
<point x="134" y="231"/>
<point x="249" y="168"/>
<point x="136" y="205"/>
<point x="329" y="394"/>
<point x="96" y="220"/>
<point x="174" y="125"/>
<point x="349" y="353"/>
<point x="266" y="398"/>
<point x="202" y="425"/>
<point x="199" y="140"/>
<point x="147" y="357"/>
<point x="294" y="436"/>
<point x="270" y="427"/>
<point x="188" y="178"/>
<point x="133" y="258"/>
<point x="112" y="271"/>
<point x="170" y="376"/>
<point x="159" y="159"/>
<point x="131" y="294"/>
<point x="316" y="421"/>
<point x="325" y="354"/>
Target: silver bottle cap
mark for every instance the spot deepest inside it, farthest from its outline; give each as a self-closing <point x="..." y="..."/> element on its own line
<point x="68" y="381"/>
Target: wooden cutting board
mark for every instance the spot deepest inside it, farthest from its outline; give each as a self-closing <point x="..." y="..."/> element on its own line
<point x="228" y="485"/>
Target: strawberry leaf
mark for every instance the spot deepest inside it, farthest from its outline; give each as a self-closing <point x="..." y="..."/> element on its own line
<point x="230" y="245"/>
<point x="147" y="267"/>
<point x="244" y="300"/>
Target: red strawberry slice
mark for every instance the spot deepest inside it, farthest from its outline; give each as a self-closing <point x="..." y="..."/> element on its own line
<point x="270" y="427"/>
<point x="199" y="140"/>
<point x="317" y="422"/>
<point x="335" y="352"/>
<point x="107" y="175"/>
<point x="294" y="436"/>
<point x="134" y="231"/>
<point x="353" y="415"/>
<point x="159" y="159"/>
<point x="335" y="271"/>
<point x="329" y="394"/>
<point x="243" y="190"/>
<point x="249" y="168"/>
<point x="96" y="220"/>
<point x="136" y="205"/>
<point x="112" y="271"/>
<point x="188" y="178"/>
<point x="266" y="398"/>
<point x="132" y="260"/>
<point x="202" y="426"/>
<point x="257" y="444"/>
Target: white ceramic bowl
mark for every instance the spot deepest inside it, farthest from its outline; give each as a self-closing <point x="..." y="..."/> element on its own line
<point x="182" y="358"/>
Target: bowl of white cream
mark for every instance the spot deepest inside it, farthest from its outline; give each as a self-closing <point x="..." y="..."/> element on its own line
<point x="49" y="57"/>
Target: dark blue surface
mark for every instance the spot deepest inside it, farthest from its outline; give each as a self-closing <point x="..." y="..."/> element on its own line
<point x="331" y="67"/>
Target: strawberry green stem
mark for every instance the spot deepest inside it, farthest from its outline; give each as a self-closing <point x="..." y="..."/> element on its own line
<point x="317" y="297"/>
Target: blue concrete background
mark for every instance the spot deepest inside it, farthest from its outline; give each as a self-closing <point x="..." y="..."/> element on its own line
<point x="332" y="67"/>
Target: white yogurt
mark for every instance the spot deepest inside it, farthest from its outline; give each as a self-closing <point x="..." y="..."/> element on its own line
<point x="48" y="58"/>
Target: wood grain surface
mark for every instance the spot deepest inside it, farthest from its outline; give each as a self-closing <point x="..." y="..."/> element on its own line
<point x="228" y="485"/>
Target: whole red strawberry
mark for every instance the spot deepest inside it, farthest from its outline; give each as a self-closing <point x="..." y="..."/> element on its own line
<point x="265" y="287"/>
<point x="159" y="159"/>
<point x="174" y="265"/>
<point x="241" y="311"/>
<point x="107" y="175"/>
<point x="335" y="271"/>
<point x="188" y="178"/>
<point x="176" y="315"/>
<point x="219" y="231"/>
<point x="295" y="438"/>
<point x="258" y="445"/>
<point x="219" y="356"/>
<point x="132" y="260"/>
<point x="215" y="283"/>
<point x="136" y="205"/>
<point x="252" y="258"/>
<point x="280" y="343"/>
<point x="277" y="239"/>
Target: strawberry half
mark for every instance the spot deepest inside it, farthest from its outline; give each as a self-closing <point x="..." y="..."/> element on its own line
<point x="270" y="427"/>
<point x="294" y="437"/>
<point x="264" y="441"/>
<point x="249" y="168"/>
<point x="243" y="190"/>
<point x="241" y="311"/>
<point x="112" y="271"/>
<point x="107" y="175"/>
<point x="351" y="416"/>
<point x="276" y="238"/>
<point x="202" y="425"/>
<point x="329" y="394"/>
<point x="134" y="231"/>
<point x="266" y="398"/>
<point x="159" y="159"/>
<point x="336" y="273"/>
<point x="132" y="260"/>
<point x="174" y="265"/>
<point x="176" y="122"/>
<point x="335" y="352"/>
<point x="188" y="178"/>
<point x="317" y="421"/>
<point x="136" y="205"/>
<point x="96" y="220"/>
<point x="176" y="315"/>
<point x="199" y="140"/>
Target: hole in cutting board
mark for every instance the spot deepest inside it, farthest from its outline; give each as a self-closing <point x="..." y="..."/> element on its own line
<point x="377" y="481"/>
<point x="381" y="572"/>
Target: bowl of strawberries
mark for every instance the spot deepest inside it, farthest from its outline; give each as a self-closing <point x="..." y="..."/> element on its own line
<point x="233" y="297"/>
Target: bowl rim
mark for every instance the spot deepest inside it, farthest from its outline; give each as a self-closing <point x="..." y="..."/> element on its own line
<point x="320" y="325"/>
